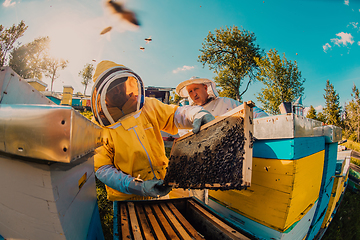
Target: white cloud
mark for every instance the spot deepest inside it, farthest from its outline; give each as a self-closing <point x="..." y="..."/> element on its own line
<point x="184" y="68"/>
<point x="319" y="108"/>
<point x="8" y="3"/>
<point x="358" y="43"/>
<point x="344" y="39"/>
<point x="354" y="24"/>
<point x="326" y="47"/>
<point x="346" y="2"/>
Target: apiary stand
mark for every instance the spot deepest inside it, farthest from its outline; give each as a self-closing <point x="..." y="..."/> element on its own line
<point x="183" y="218"/>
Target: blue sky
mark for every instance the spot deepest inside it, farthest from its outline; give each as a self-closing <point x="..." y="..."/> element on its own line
<point x="323" y="37"/>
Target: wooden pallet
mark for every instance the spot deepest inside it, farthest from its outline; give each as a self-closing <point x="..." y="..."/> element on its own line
<point x="218" y="157"/>
<point x="184" y="218"/>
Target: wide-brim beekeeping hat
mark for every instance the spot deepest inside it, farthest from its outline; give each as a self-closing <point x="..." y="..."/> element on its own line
<point x="211" y="87"/>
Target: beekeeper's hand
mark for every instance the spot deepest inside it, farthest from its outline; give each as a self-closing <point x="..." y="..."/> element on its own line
<point x="149" y="188"/>
<point x="125" y="183"/>
<point x="200" y="118"/>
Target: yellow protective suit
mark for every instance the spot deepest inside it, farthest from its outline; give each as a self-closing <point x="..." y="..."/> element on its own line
<point x="135" y="141"/>
<point x="132" y="141"/>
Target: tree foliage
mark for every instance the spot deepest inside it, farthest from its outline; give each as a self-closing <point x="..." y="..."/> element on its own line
<point x="332" y="105"/>
<point x="8" y="38"/>
<point x="27" y="60"/>
<point x="282" y="79"/>
<point x="352" y="119"/>
<point x="311" y="113"/>
<point x="231" y="54"/>
<point x="321" y="117"/>
<point x="176" y="99"/>
<point x="86" y="75"/>
<point x="222" y="79"/>
<point x="52" y="66"/>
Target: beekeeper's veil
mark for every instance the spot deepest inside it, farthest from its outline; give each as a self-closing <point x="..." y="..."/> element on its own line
<point x="117" y="92"/>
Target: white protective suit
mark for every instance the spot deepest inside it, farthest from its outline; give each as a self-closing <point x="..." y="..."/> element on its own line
<point x="217" y="106"/>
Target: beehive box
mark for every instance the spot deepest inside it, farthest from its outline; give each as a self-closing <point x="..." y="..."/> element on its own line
<point x="218" y="157"/>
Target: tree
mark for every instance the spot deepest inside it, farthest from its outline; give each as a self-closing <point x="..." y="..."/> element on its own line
<point x="176" y="99"/>
<point x="282" y="79"/>
<point x="7" y="39"/>
<point x="27" y="60"/>
<point x="230" y="92"/>
<point x="332" y="106"/>
<point x="321" y="117"/>
<point x="231" y="54"/>
<point x="51" y="66"/>
<point x="86" y="75"/>
<point x="311" y="113"/>
<point x="352" y="119"/>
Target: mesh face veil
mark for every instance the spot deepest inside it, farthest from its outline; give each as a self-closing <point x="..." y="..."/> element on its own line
<point x="117" y="92"/>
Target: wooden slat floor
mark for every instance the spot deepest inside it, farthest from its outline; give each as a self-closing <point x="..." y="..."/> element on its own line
<point x="169" y="219"/>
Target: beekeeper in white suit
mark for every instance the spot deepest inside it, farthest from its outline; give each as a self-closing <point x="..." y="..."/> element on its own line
<point x="202" y="92"/>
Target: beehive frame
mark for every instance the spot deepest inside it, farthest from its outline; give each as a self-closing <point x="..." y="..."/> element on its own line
<point x="218" y="157"/>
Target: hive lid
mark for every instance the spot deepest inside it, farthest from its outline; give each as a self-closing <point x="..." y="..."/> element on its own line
<point x="46" y="132"/>
<point x="292" y="126"/>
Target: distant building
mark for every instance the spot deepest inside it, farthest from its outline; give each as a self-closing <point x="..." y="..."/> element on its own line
<point x="37" y="84"/>
<point x="81" y="102"/>
<point x="160" y="93"/>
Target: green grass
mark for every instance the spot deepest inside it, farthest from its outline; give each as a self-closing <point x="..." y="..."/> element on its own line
<point x="105" y="210"/>
<point x="346" y="223"/>
<point x="355" y="161"/>
<point x="352" y="145"/>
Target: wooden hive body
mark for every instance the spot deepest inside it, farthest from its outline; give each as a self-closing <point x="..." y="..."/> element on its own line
<point x="218" y="157"/>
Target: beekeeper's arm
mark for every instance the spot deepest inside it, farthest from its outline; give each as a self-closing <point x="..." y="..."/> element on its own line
<point x="186" y="117"/>
<point x="192" y="117"/>
<point x="107" y="173"/>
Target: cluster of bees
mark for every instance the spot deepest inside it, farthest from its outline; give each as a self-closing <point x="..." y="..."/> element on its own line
<point x="216" y="167"/>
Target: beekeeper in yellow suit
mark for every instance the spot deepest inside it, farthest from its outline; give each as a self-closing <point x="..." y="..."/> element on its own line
<point x="132" y="161"/>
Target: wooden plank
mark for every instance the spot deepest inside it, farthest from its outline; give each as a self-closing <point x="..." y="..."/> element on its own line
<point x="192" y="231"/>
<point x="154" y="223"/>
<point x="147" y="231"/>
<point x="355" y="167"/>
<point x="175" y="222"/>
<point x="125" y="230"/>
<point x="209" y="186"/>
<point x="168" y="229"/>
<point x="134" y="222"/>
<point x="226" y="229"/>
